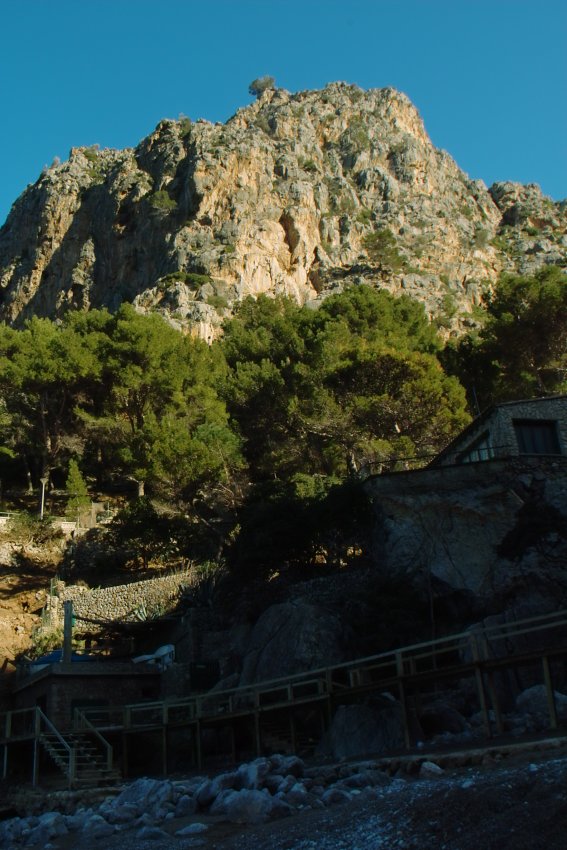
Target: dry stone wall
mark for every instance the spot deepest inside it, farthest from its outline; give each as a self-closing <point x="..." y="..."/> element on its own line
<point x="138" y="600"/>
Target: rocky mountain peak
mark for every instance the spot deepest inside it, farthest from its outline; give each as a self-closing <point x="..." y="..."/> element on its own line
<point x="297" y="194"/>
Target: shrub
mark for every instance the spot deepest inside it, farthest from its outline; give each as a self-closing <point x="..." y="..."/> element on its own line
<point x="218" y="302"/>
<point x="184" y="125"/>
<point x="261" y="84"/>
<point x="481" y="238"/>
<point x="382" y="249"/>
<point x="364" y="216"/>
<point x="161" y="201"/>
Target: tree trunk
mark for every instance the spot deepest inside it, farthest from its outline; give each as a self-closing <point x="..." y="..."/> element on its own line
<point x="28" y="476"/>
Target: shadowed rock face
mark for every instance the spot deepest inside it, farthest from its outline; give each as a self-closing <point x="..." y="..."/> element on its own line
<point x="280" y="199"/>
<point x="291" y="638"/>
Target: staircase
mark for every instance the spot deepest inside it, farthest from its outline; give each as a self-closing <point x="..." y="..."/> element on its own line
<point x="83" y="759"/>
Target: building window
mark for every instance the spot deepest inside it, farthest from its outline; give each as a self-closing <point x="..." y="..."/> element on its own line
<point x="479" y="450"/>
<point x="537" y="437"/>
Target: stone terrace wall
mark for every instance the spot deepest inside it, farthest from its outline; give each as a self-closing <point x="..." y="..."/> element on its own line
<point x="124" y="602"/>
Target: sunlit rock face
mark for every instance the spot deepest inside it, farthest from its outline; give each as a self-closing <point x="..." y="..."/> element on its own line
<point x="282" y="199"/>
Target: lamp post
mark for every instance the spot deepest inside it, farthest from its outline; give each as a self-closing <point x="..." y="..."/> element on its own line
<point x="44" y="481"/>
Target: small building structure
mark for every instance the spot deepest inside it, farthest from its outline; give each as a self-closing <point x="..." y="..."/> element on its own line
<point x="59" y="688"/>
<point x="536" y="426"/>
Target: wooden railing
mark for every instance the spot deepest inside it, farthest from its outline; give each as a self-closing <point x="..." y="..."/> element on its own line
<point x="441" y="658"/>
<point x="82" y="723"/>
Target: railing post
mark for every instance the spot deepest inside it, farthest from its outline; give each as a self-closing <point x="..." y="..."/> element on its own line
<point x="403" y="702"/>
<point x="35" y="767"/>
<point x="198" y="751"/>
<point x="480" y="685"/>
<point x="549" y="692"/>
<point x="72" y="766"/>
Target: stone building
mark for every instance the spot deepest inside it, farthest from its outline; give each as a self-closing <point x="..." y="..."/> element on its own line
<point x="536" y="426"/>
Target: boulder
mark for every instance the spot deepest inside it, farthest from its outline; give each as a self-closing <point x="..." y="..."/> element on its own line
<point x="441" y="717"/>
<point x="358" y="730"/>
<point x="430" y="770"/>
<point x="209" y="790"/>
<point x="192" y="829"/>
<point x="146" y="794"/>
<point x="335" y="795"/>
<point x="289" y="638"/>
<point x="97" y="827"/>
<point x="533" y="703"/>
<point x="185" y="806"/>
<point x="253" y="774"/>
<point x="151" y="833"/>
<point x="245" y="806"/>
<point x="287" y="766"/>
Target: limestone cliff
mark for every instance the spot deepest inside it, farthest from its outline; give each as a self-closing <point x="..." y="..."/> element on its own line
<point x="283" y="198"/>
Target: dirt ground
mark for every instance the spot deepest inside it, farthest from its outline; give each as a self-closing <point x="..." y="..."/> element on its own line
<point x="24" y="583"/>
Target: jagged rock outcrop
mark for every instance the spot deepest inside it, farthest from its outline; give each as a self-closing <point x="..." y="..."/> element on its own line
<point x="283" y="198"/>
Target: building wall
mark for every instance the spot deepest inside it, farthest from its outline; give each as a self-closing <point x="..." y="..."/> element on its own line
<point x="59" y="687"/>
<point x="500" y="425"/>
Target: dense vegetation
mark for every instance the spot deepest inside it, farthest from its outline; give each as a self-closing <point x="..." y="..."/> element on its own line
<point x="253" y="447"/>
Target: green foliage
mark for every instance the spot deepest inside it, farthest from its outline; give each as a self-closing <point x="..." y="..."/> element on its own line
<point x="326" y="392"/>
<point x="356" y="136"/>
<point x="77" y="491"/>
<point x="382" y="250"/>
<point x="307" y="164"/>
<point x="192" y="279"/>
<point x="364" y="216"/>
<point x="219" y="302"/>
<point x="44" y="368"/>
<point x="119" y="392"/>
<point x="140" y="530"/>
<point x="261" y="84"/>
<point x="185" y="125"/>
<point x="27" y="529"/>
<point x="162" y="201"/>
<point x="521" y="351"/>
<point x="481" y="238"/>
<point x="263" y="124"/>
<point x="91" y="153"/>
<point x="45" y="641"/>
<point x="281" y="530"/>
<point x="448" y="310"/>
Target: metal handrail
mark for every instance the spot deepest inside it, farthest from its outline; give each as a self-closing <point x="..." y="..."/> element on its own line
<point x="82" y="723"/>
<point x="42" y="718"/>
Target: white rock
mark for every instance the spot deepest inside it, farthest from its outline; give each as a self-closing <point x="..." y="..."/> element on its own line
<point x="193" y="829"/>
<point x="429" y="770"/>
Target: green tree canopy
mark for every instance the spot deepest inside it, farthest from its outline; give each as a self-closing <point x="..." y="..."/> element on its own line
<point x="327" y="391"/>
<point x="261" y="84"/>
<point x="521" y="351"/>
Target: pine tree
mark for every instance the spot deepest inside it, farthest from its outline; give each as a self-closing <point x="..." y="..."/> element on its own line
<point x="78" y="496"/>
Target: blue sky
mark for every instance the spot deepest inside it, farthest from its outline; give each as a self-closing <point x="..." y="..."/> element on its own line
<point x="489" y="78"/>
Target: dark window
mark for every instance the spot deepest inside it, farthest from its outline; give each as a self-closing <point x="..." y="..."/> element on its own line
<point x="479" y="450"/>
<point x="537" y="437"/>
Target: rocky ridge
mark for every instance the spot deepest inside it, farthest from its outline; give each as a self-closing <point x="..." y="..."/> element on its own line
<point x="290" y="196"/>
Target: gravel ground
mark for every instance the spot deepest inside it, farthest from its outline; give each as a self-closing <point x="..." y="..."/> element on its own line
<point x="521" y="806"/>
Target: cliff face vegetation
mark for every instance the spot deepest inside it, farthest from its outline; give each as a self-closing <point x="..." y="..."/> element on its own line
<point x="295" y="195"/>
